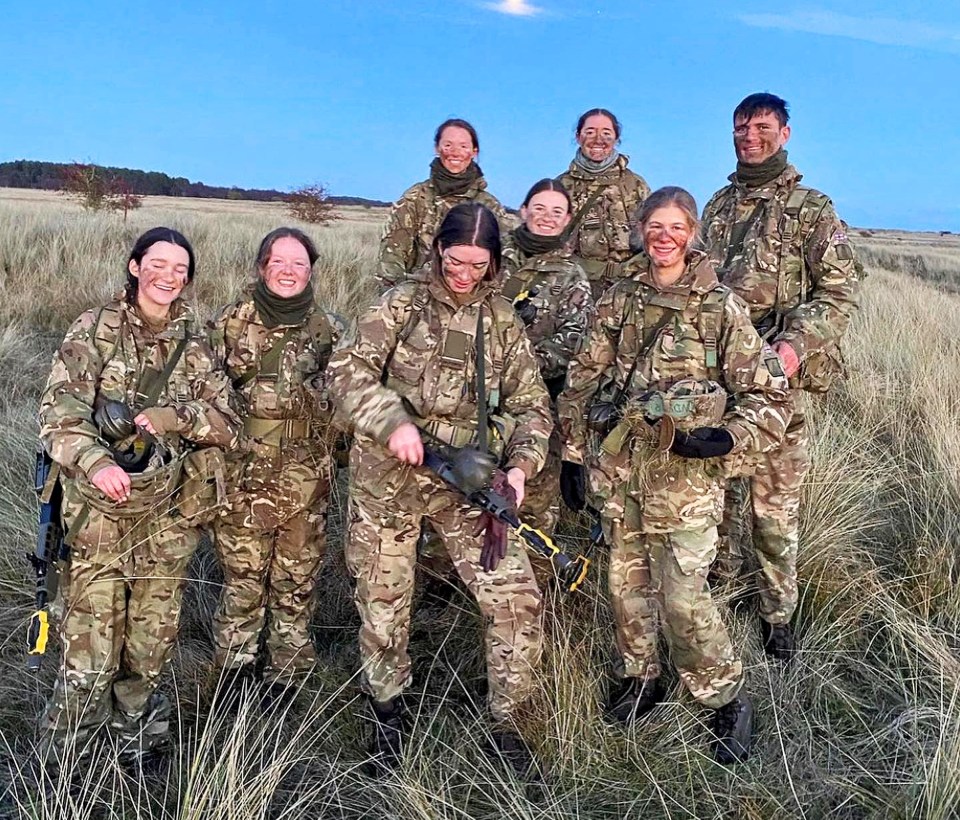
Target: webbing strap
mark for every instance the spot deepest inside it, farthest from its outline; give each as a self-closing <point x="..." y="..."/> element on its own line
<point x="481" y="385"/>
<point x="580" y="215"/>
<point x="269" y="361"/>
<point x="152" y="383"/>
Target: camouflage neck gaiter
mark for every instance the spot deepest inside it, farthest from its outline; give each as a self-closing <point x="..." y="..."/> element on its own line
<point x="534" y="244"/>
<point x="753" y="176"/>
<point x="593" y="166"/>
<point x="447" y="183"/>
<point x="276" y="310"/>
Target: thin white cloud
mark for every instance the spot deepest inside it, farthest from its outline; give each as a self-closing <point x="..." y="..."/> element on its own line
<point x="883" y="30"/>
<point x="517" y="8"/>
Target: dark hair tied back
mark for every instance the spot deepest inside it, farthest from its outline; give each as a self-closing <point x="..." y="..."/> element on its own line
<point x="146" y="241"/>
<point x="617" y="128"/>
<point x="455" y="122"/>
<point x="266" y="245"/>
<point x="470" y="223"/>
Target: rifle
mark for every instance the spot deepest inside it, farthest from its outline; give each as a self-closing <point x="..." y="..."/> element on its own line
<point x="50" y="549"/>
<point x="570" y="571"/>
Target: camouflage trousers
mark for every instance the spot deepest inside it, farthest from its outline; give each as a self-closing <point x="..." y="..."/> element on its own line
<point x="121" y="605"/>
<point x="381" y="556"/>
<point x="663" y="576"/>
<point x="540" y="509"/>
<point x="772" y="495"/>
<point x="271" y="544"/>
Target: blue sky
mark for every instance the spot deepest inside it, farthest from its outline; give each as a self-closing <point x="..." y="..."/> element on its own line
<point x="275" y="95"/>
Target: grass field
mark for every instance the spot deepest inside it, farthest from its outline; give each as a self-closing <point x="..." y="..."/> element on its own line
<point x="865" y="723"/>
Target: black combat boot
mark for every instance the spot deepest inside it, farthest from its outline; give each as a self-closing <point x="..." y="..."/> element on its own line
<point x="633" y="698"/>
<point x="510" y="747"/>
<point x="386" y="750"/>
<point x="778" y="641"/>
<point x="733" y="731"/>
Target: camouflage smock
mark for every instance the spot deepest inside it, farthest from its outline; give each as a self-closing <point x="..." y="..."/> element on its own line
<point x="803" y="290"/>
<point x="603" y="234"/>
<point x="677" y="493"/>
<point x="557" y="286"/>
<point x="294" y="389"/>
<point x="381" y="381"/>
<point x="86" y="370"/>
<point x="406" y="245"/>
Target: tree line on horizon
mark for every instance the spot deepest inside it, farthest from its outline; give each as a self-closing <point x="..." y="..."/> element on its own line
<point x="49" y="176"/>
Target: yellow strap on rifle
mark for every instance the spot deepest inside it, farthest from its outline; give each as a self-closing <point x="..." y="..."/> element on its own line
<point x="42" y="635"/>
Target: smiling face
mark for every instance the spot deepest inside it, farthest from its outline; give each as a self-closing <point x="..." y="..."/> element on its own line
<point x="597" y="137"/>
<point x="287" y="269"/>
<point x="456" y="149"/>
<point x="667" y="236"/>
<point x="464" y="266"/>
<point x="161" y="277"/>
<point x="547" y="213"/>
<point x="759" y="138"/>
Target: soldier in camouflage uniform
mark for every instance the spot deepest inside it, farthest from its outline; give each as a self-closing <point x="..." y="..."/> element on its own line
<point x="129" y="545"/>
<point x="455" y="177"/>
<point x="551" y="294"/>
<point x="605" y="195"/>
<point x="676" y="352"/>
<point x="411" y="377"/>
<point x="779" y="246"/>
<point x="274" y="343"/>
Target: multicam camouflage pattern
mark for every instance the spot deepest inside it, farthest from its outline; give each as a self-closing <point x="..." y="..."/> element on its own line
<point x="556" y="286"/>
<point x="385" y="519"/>
<point x="271" y="538"/>
<point x="382" y="381"/>
<point x="603" y="235"/>
<point x="679" y="493"/>
<point x="406" y="245"/>
<point x="670" y="568"/>
<point x="660" y="511"/>
<point x="801" y="288"/>
<point x="769" y="499"/>
<point x="122" y="597"/>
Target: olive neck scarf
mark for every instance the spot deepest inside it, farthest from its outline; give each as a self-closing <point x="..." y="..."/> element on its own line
<point x="753" y="176"/>
<point x="533" y="244"/>
<point x="447" y="183"/>
<point x="595" y="166"/>
<point x="276" y="310"/>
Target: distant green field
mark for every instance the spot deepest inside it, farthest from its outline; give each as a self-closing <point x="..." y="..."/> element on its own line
<point x="866" y="722"/>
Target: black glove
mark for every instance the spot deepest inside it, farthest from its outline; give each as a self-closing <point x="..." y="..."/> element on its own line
<point x="704" y="442"/>
<point x="526" y="310"/>
<point x="573" y="485"/>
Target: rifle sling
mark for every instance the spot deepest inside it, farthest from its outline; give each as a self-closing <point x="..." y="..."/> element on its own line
<point x="153" y="383"/>
<point x="481" y="386"/>
<point x="581" y="214"/>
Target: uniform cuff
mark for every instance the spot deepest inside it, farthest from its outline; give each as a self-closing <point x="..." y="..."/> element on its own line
<point x="528" y="468"/>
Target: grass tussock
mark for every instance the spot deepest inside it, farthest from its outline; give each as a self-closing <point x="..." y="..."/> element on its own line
<point x="865" y="723"/>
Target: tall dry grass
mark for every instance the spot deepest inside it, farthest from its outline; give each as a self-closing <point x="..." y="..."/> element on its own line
<point x="865" y="723"/>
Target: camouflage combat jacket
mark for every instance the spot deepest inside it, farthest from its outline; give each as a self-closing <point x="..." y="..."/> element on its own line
<point x="556" y="287"/>
<point x="413" y="360"/>
<point x="603" y="233"/>
<point x="406" y="246"/>
<point x="795" y="268"/>
<point x="104" y="356"/>
<point x="693" y="329"/>
<point x="277" y="373"/>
